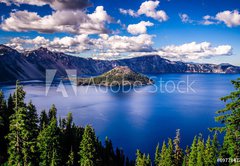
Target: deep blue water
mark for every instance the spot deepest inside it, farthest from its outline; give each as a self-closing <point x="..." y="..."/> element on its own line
<point x="140" y="118"/>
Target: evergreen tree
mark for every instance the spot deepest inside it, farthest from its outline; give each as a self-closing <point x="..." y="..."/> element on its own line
<point x="43" y="121"/>
<point x="48" y="144"/>
<point x="19" y="132"/>
<point x="178" y="154"/>
<point x="17" y="138"/>
<point x="193" y="154"/>
<point x="88" y="147"/>
<point x="4" y="127"/>
<point x="186" y="156"/>
<point x="215" y="145"/>
<point x="52" y="114"/>
<point x="109" y="152"/>
<point x="142" y="159"/>
<point x="70" y="161"/>
<point x="169" y="158"/>
<point x="163" y="154"/>
<point x="30" y="144"/>
<point x="10" y="105"/>
<point x="200" y="151"/>
<point x="209" y="154"/>
<point x="230" y="117"/>
<point x="157" y="159"/>
<point x="120" y="158"/>
<point x="139" y="157"/>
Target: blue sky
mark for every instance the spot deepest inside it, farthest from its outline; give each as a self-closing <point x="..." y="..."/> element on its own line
<point x="106" y="34"/>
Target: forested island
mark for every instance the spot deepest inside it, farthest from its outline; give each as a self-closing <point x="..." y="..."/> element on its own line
<point x="27" y="139"/>
<point x="119" y="76"/>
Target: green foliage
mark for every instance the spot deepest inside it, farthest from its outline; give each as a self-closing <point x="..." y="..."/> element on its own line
<point x="88" y="147"/>
<point x="200" y="151"/>
<point x="157" y="159"/>
<point x="210" y="157"/>
<point x="178" y="154"/>
<point x="193" y="154"/>
<point x="48" y="144"/>
<point x="142" y="159"/>
<point x="44" y="121"/>
<point x="163" y="154"/>
<point x="70" y="161"/>
<point x="230" y="117"/>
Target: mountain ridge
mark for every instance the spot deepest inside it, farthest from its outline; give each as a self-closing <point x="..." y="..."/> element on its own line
<point x="33" y="64"/>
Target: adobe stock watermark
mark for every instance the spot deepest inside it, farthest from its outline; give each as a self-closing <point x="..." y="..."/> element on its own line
<point x="61" y="87"/>
<point x="123" y="85"/>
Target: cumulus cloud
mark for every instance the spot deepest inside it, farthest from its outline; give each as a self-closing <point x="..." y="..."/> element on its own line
<point x="76" y="44"/>
<point x="115" y="46"/>
<point x="55" y="4"/>
<point x="75" y="22"/>
<point x="230" y="18"/>
<point x="139" y="28"/>
<point x="105" y="45"/>
<point x="149" y="9"/>
<point x="193" y="51"/>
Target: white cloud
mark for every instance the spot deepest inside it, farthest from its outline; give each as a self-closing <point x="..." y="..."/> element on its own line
<point x="75" y="22"/>
<point x="55" y="4"/>
<point x="104" y="45"/>
<point x="123" y="44"/>
<point x="128" y="12"/>
<point x="193" y="51"/>
<point x="185" y="18"/>
<point x="230" y="18"/>
<point x="113" y="47"/>
<point x="148" y="8"/>
<point x="139" y="28"/>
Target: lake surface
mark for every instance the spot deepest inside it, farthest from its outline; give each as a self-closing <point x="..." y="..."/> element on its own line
<point x="141" y="117"/>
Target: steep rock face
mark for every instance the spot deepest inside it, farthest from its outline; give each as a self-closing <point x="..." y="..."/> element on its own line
<point x="14" y="66"/>
<point x="44" y="59"/>
<point x="33" y="65"/>
<point x="153" y="65"/>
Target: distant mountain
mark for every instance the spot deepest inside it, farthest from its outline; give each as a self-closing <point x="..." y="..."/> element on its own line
<point x="119" y="76"/>
<point x="33" y="64"/>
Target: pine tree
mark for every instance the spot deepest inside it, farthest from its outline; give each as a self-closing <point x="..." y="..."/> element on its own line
<point x="230" y="117"/>
<point x="17" y="137"/>
<point x="70" y="161"/>
<point x="4" y="128"/>
<point x="163" y="154"/>
<point x="48" y="144"/>
<point x="209" y="154"/>
<point x="43" y="121"/>
<point x="200" y="151"/>
<point x="186" y="156"/>
<point x="178" y="154"/>
<point x="157" y="159"/>
<point x="30" y="144"/>
<point x="193" y="154"/>
<point x="52" y="114"/>
<point x="109" y="152"/>
<point x="19" y="132"/>
<point x="139" y="157"/>
<point x="169" y="158"/>
<point x="88" y="147"/>
<point x="142" y="159"/>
